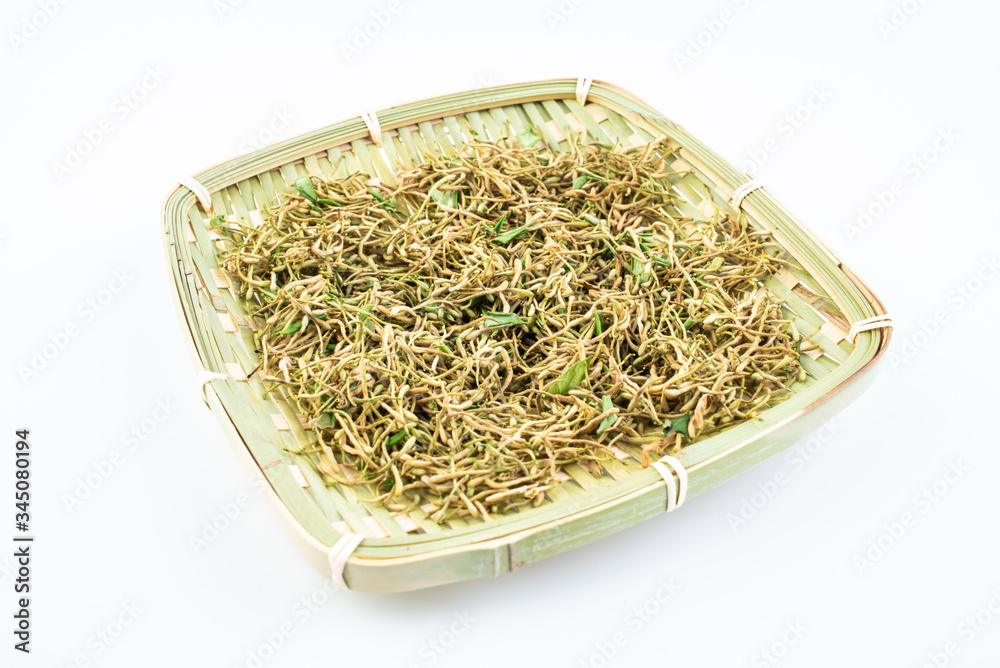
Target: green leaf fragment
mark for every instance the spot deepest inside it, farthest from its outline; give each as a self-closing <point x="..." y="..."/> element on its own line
<point x="529" y="137"/>
<point x="396" y="438"/>
<point x="639" y="269"/>
<point x="496" y="228"/>
<point x="494" y="319"/>
<point x="448" y="198"/>
<point x="306" y="189"/>
<point x="678" y="425"/>
<point x="384" y="201"/>
<point x="608" y="422"/>
<point x="571" y="378"/>
<point x="510" y="235"/>
<point x="365" y="316"/>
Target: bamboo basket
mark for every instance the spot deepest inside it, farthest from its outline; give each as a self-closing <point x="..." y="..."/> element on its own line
<point x="399" y="552"/>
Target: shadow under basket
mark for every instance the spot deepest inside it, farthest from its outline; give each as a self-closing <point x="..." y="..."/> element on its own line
<point x="367" y="547"/>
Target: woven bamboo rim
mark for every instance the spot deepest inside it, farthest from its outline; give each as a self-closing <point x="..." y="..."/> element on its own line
<point x="408" y="552"/>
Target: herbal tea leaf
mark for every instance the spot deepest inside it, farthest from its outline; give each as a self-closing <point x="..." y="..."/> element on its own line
<point x="496" y="228"/>
<point x="598" y="325"/>
<point x="365" y="315"/>
<point x="292" y="328"/>
<point x="396" y="439"/>
<point x="325" y="421"/>
<point x="639" y="269"/>
<point x="678" y="426"/>
<point x="306" y="189"/>
<point x="494" y="319"/>
<point x="579" y="181"/>
<point x="510" y="235"/>
<point x="529" y="137"/>
<point x="385" y="202"/>
<point x="608" y="422"/>
<point x="571" y="378"/>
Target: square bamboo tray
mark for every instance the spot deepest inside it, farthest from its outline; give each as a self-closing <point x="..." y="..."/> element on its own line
<point x="399" y="552"/>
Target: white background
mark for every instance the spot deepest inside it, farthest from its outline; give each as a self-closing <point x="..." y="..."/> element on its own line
<point x="229" y="76"/>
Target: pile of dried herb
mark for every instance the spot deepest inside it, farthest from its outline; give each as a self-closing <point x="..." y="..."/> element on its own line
<point x="458" y="337"/>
